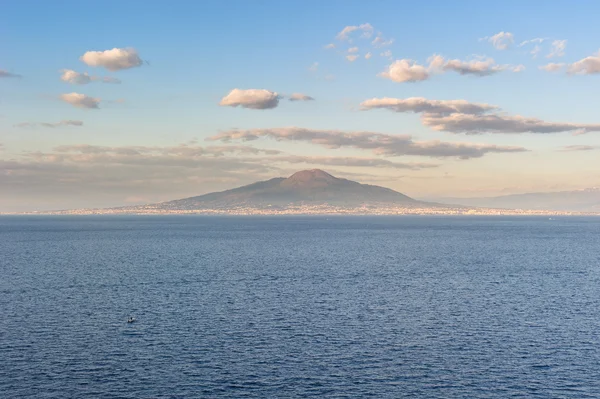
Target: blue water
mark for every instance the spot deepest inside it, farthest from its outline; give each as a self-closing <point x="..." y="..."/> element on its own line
<point x="396" y="307"/>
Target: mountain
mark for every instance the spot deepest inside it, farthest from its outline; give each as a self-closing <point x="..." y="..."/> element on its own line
<point x="317" y="192"/>
<point x="587" y="200"/>
<point x="304" y="187"/>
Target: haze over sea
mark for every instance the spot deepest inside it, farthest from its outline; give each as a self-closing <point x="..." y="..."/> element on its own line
<point x="256" y="307"/>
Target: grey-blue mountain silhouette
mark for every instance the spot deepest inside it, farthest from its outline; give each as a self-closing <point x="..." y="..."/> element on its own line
<point x="587" y="200"/>
<point x="306" y="187"/>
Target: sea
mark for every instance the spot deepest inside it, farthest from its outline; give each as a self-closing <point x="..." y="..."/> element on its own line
<point x="299" y="307"/>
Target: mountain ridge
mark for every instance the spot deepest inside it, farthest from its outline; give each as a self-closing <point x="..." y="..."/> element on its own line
<point x="306" y="186"/>
<point x="582" y="200"/>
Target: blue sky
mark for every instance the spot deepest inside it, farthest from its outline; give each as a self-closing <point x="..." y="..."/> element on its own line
<point x="195" y="53"/>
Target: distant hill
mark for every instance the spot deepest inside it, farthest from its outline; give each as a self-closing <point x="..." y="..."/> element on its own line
<point x="587" y="200"/>
<point x="308" y="186"/>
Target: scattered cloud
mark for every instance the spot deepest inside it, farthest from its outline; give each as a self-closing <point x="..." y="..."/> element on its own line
<point x="300" y="97"/>
<point x="184" y="150"/>
<point x="379" y="42"/>
<point x="70" y="76"/>
<point x="378" y="143"/>
<point x="558" y="48"/>
<point x="537" y="40"/>
<point x="499" y="123"/>
<point x="251" y="99"/>
<point x="329" y="46"/>
<point x="259" y="98"/>
<point x="571" y="148"/>
<point x="352" y="52"/>
<point x="405" y="71"/>
<point x="366" y="29"/>
<point x="6" y="74"/>
<point x="460" y="116"/>
<point x="552" y="67"/>
<point x="386" y="53"/>
<point x="535" y="51"/>
<point x="484" y="67"/>
<point x="50" y="125"/>
<point x="314" y="67"/>
<point x="423" y="105"/>
<point x="586" y="66"/>
<point x="113" y="60"/>
<point x="76" y="78"/>
<point x="501" y="40"/>
<point x="80" y="100"/>
<point x="352" y="162"/>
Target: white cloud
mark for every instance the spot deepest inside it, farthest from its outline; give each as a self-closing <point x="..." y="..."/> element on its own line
<point x="51" y="125"/>
<point x="252" y="99"/>
<point x="436" y="63"/>
<point x="329" y="46"/>
<point x="518" y="68"/>
<point x="379" y="42"/>
<point x="77" y="78"/>
<point x="405" y="71"/>
<point x="558" y="48"/>
<point x="587" y="66"/>
<point x="570" y="148"/>
<point x="6" y="74"/>
<point x="368" y="55"/>
<point x="460" y="116"/>
<point x="474" y="67"/>
<point x="499" y="123"/>
<point x="314" y="67"/>
<point x="353" y="50"/>
<point x="552" y="67"/>
<point x="80" y="100"/>
<point x="538" y="40"/>
<point x="535" y="51"/>
<point x="378" y="143"/>
<point x="386" y="53"/>
<point x="367" y="30"/>
<point x="420" y="104"/>
<point x="113" y="60"/>
<point x="501" y="40"/>
<point x="352" y="162"/>
<point x="351" y="58"/>
<point x="300" y="97"/>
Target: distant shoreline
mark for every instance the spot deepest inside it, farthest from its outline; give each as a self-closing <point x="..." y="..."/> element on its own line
<point x="305" y="212"/>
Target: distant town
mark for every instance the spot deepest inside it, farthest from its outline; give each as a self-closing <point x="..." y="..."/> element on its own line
<point x="312" y="209"/>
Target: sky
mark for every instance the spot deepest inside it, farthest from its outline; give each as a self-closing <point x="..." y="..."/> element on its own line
<point x="122" y="103"/>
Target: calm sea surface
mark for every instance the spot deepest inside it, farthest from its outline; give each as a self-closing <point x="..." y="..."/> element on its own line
<point x="285" y="307"/>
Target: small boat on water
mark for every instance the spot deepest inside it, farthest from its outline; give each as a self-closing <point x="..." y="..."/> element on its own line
<point x="131" y="319"/>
